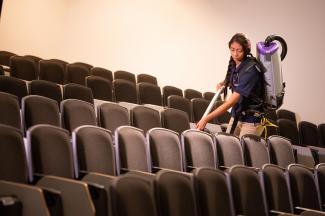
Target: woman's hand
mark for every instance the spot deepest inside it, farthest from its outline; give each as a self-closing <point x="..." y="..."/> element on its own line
<point x="201" y="124"/>
<point x="220" y="84"/>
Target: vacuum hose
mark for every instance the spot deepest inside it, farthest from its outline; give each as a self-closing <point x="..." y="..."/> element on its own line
<point x="284" y="46"/>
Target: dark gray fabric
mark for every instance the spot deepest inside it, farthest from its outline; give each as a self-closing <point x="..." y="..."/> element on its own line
<point x="46" y="89"/>
<point x="111" y="116"/>
<point x="40" y="110"/>
<point x="23" y="68"/>
<point x="247" y="191"/>
<point x="199" y="149"/>
<point x="229" y="150"/>
<point x="180" y="103"/>
<point x="303" y="187"/>
<point x="175" y="194"/>
<point x="321" y="133"/>
<point x="10" y="110"/>
<point x="149" y="94"/>
<point x="281" y="151"/>
<point x="77" y="72"/>
<point x="76" y="113"/>
<point x="286" y="114"/>
<point x="145" y="118"/>
<point x="255" y="151"/>
<point x="277" y="188"/>
<point x="132" y="149"/>
<point x="175" y="120"/>
<point x="165" y="149"/>
<point x="13" y="86"/>
<point x="100" y="87"/>
<point x="208" y="95"/>
<point x="308" y="134"/>
<point x="12" y="155"/>
<point x="212" y="192"/>
<point x="125" y="75"/>
<point x="133" y="196"/>
<point x="124" y="90"/>
<point x="95" y="150"/>
<point x="53" y="70"/>
<point x="288" y="129"/>
<point x="51" y="151"/>
<point x="76" y="91"/>
<point x="5" y="57"/>
<point x="147" y="79"/>
<point x="103" y="73"/>
<point x="192" y="93"/>
<point x="320" y="172"/>
<point x="170" y="90"/>
<point x="199" y="106"/>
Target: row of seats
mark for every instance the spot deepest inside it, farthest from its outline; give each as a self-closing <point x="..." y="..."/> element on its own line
<point x="83" y="178"/>
<point x="99" y="89"/>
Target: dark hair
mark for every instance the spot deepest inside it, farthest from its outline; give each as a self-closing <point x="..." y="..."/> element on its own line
<point x="243" y="41"/>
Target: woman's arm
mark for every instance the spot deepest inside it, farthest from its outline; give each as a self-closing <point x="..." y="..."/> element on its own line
<point x="234" y="98"/>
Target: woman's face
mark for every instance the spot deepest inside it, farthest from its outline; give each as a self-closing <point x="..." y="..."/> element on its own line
<point x="237" y="52"/>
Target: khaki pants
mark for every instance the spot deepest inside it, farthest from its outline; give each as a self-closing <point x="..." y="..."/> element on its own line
<point x="243" y="128"/>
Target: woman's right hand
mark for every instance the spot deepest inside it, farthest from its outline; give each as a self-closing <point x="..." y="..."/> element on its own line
<point x="220" y="84"/>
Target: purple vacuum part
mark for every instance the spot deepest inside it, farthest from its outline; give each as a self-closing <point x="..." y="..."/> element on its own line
<point x="272" y="48"/>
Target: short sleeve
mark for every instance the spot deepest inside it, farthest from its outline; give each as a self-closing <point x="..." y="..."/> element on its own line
<point x="247" y="81"/>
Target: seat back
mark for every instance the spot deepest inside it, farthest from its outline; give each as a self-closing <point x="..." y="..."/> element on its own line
<point x="23" y="67"/>
<point x="288" y="129"/>
<point x="286" y="114"/>
<point x="180" y="103"/>
<point x="133" y="149"/>
<point x="176" y="194"/>
<point x="103" y="73"/>
<point x="320" y="174"/>
<point x="199" y="148"/>
<point x="77" y="72"/>
<point x="46" y="89"/>
<point x="125" y="75"/>
<point x="170" y="90"/>
<point x="303" y="187"/>
<point x="208" y="95"/>
<point x="101" y="88"/>
<point x="13" y="86"/>
<point x="255" y="151"/>
<point x="192" y="93"/>
<point x="10" y="110"/>
<point x="281" y="151"/>
<point x="247" y="191"/>
<point x="308" y="134"/>
<point x="13" y="158"/>
<point x="165" y="149"/>
<point x="111" y="116"/>
<point x="147" y="79"/>
<point x="175" y="120"/>
<point x="40" y="110"/>
<point x="53" y="70"/>
<point x="149" y="94"/>
<point x="134" y="195"/>
<point x="5" y="57"/>
<point x="321" y="133"/>
<point x="51" y="151"/>
<point x="145" y="118"/>
<point x="229" y="150"/>
<point x="75" y="113"/>
<point x="199" y="105"/>
<point x="76" y="91"/>
<point x="124" y="90"/>
<point x="277" y="189"/>
<point x="213" y="192"/>
<point x="95" y="150"/>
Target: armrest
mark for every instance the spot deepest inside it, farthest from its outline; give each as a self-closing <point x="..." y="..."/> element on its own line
<point x="99" y="197"/>
<point x="53" y="201"/>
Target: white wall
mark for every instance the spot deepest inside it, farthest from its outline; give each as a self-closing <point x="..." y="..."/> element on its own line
<point x="182" y="42"/>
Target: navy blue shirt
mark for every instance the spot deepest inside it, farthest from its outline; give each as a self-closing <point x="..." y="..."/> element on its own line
<point x="248" y="84"/>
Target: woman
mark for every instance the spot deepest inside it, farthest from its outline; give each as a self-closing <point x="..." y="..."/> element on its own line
<point x="244" y="77"/>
